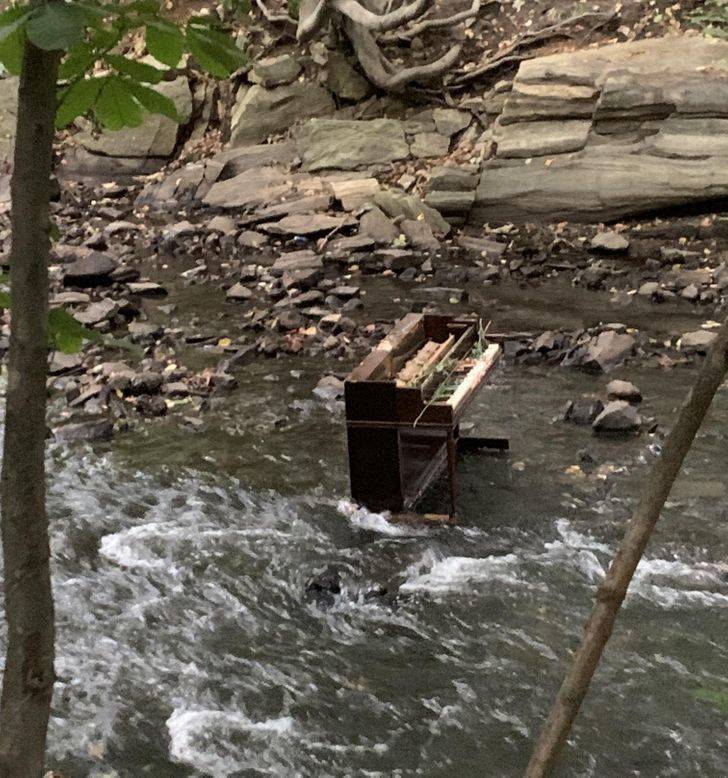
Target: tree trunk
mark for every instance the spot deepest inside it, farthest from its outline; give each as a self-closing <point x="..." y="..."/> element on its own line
<point x="613" y="589"/>
<point x="29" y="675"/>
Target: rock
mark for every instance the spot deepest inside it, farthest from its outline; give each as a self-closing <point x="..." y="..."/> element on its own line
<point x="609" y="241"/>
<point x="430" y="144"/>
<point x="602" y="133"/>
<point x="97" y="312"/>
<point x="274" y="71"/>
<point x="239" y="292"/>
<point x="152" y="405"/>
<point x="345" y="82"/>
<point x="699" y="341"/>
<point x="94" y="269"/>
<point x="147" y="289"/>
<point x="144" y="331"/>
<point x="354" y="193"/>
<point x="345" y="292"/>
<point x="608" y="350"/>
<point x="180" y="230"/>
<point x="343" y="247"/>
<point x="233" y="162"/>
<point x="623" y="390"/>
<point x="451" y="203"/>
<point x="347" y="145"/>
<point x="450" y="121"/>
<point x="617" y="416"/>
<point x="223" y="225"/>
<point x="291" y="320"/>
<point x="453" y="179"/>
<point x="307" y="224"/>
<point x="582" y="412"/>
<point x="256" y="186"/>
<point x="376" y="225"/>
<point x="690" y="292"/>
<point x="85" y="432"/>
<point x="329" y="388"/>
<point x="261" y="112"/>
<point x="297" y="260"/>
<point x="419" y="235"/>
<point x="323" y="588"/>
<point x="395" y="204"/>
<point x="155" y="137"/>
<point x="649" y="289"/>
<point x="251" y="239"/>
<point x="443" y="294"/>
<point x="148" y="382"/>
<point x="302" y="279"/>
<point x="65" y="364"/>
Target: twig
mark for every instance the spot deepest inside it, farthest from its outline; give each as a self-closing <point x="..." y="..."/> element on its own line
<point x="273" y="17"/>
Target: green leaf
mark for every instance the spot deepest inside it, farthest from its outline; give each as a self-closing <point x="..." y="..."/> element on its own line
<point x="165" y="42"/>
<point x="138" y="71"/>
<point x="78" y="60"/>
<point x="11" y="21"/>
<point x="116" y="107"/>
<point x="67" y="334"/>
<point x="4" y="300"/>
<point x="56" y="27"/>
<point x="144" y="7"/>
<point x="12" y="39"/>
<point x="215" y="51"/>
<point x="93" y="13"/>
<point x="294" y="8"/>
<point x="78" y="100"/>
<point x="153" y="101"/>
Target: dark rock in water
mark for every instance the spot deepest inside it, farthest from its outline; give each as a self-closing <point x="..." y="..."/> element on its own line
<point x="443" y="294"/>
<point x="323" y="587"/>
<point x="95" y="269"/>
<point x="86" y="431"/>
<point x="240" y="358"/>
<point x="152" y="405"/>
<point x="408" y="275"/>
<point x="582" y="412"/>
<point x="224" y="381"/>
<point x="617" y="416"/>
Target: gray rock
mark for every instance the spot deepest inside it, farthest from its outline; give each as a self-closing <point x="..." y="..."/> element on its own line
<point x="302" y="279"/>
<point x="94" y="269"/>
<point x="222" y="224"/>
<point x="609" y="132"/>
<point x="274" y="71"/>
<point x="649" y="289"/>
<point x="451" y="203"/>
<point x="690" y="292"/>
<point x="85" y="432"/>
<point x="378" y="227"/>
<point x="291" y="320"/>
<point x="450" y="121"/>
<point x="698" y="342"/>
<point x="146" y="383"/>
<point x="307" y="224"/>
<point x="240" y="293"/>
<point x="608" y="350"/>
<point x="345" y="82"/>
<point x="453" y="179"/>
<point x="252" y="239"/>
<point x="430" y="144"/>
<point x="582" y="412"/>
<point x="97" y="312"/>
<point x="409" y="206"/>
<point x="347" y="145"/>
<point x="261" y="112"/>
<point x="329" y="388"/>
<point x="623" y="390"/>
<point x="609" y="241"/>
<point x="156" y="137"/>
<point x="147" y="289"/>
<point x="297" y="260"/>
<point x="419" y="235"/>
<point x="617" y="416"/>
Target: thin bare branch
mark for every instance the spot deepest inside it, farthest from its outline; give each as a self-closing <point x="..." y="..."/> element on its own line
<point x="273" y="17"/>
<point x="359" y="14"/>
<point x="311" y="18"/>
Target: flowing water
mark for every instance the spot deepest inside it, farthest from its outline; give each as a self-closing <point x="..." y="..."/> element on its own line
<point x="187" y="646"/>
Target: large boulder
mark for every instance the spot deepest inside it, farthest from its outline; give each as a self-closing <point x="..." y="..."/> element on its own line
<point x="261" y="112"/>
<point x="8" y="115"/>
<point x="348" y="145"/>
<point x="604" y="133"/>
<point x="156" y="137"/>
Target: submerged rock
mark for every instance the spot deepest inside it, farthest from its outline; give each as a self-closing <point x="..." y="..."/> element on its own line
<point x="323" y="588"/>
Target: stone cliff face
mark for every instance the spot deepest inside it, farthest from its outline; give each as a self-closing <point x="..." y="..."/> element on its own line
<point x="604" y="133"/>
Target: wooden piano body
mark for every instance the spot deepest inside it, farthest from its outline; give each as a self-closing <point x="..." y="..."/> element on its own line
<point x="404" y="403"/>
